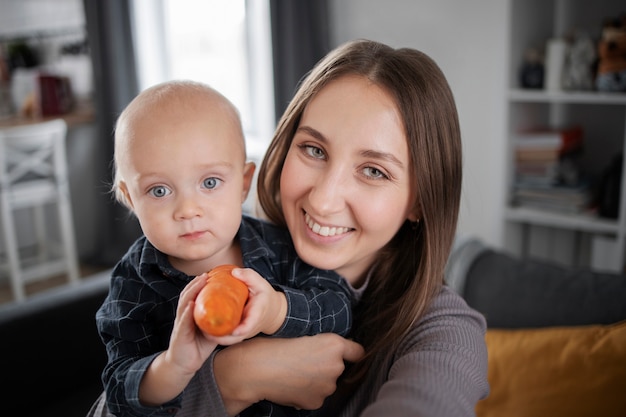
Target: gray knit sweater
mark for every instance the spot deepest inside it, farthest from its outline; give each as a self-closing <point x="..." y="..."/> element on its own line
<point x="439" y="369"/>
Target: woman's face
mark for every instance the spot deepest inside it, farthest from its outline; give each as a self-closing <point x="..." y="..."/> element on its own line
<point x="345" y="185"/>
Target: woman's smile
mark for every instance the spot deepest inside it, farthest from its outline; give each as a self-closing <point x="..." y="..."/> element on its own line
<point x="324" y="230"/>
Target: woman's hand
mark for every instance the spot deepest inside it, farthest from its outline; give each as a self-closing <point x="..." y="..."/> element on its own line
<point x="299" y="372"/>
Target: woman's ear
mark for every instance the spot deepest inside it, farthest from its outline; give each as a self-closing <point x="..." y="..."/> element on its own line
<point x="415" y="214"/>
<point x="248" y="175"/>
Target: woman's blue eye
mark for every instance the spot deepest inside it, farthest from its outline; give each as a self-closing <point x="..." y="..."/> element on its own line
<point x="159" y="191"/>
<point x="314" y="151"/>
<point x="210" y="183"/>
<point x="374" y="173"/>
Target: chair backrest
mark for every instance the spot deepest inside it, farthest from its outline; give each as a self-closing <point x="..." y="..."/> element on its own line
<point x="33" y="152"/>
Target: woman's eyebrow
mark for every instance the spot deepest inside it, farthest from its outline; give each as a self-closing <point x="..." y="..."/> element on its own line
<point x="382" y="155"/>
<point x="312" y="132"/>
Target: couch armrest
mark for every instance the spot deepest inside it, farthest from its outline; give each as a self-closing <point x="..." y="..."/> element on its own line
<point x="463" y="254"/>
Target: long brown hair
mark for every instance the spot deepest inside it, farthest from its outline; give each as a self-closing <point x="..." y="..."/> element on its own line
<point x="408" y="272"/>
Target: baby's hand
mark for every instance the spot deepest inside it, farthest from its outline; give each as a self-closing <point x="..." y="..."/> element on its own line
<point x="187" y="347"/>
<point x="264" y="312"/>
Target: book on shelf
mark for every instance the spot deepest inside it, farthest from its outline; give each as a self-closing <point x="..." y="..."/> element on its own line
<point x="537" y="173"/>
<point x="543" y="155"/>
<point x="540" y="153"/>
<point x="545" y="196"/>
<point x="560" y="141"/>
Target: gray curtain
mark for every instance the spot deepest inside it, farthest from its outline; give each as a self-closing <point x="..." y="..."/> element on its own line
<point x="115" y="80"/>
<point x="300" y="38"/>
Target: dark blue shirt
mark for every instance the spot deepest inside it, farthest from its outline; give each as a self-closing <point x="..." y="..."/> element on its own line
<point x="136" y="319"/>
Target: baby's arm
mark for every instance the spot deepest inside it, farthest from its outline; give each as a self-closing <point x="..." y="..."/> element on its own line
<point x="171" y="371"/>
<point x="318" y="302"/>
<point x="310" y="302"/>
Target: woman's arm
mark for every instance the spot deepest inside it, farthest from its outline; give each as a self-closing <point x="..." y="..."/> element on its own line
<point x="299" y="372"/>
<point x="439" y="369"/>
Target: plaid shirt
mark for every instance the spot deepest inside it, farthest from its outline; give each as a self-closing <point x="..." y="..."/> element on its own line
<point x="136" y="319"/>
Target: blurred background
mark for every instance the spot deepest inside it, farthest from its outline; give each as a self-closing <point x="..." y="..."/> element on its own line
<point x="525" y="74"/>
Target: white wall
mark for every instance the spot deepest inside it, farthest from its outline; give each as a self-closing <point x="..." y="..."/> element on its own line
<point x="24" y="16"/>
<point x="468" y="40"/>
<point x="64" y="19"/>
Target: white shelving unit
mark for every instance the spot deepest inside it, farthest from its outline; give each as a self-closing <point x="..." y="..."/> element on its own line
<point x="574" y="239"/>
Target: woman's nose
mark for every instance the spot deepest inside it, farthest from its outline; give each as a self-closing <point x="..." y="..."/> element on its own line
<point x="329" y="192"/>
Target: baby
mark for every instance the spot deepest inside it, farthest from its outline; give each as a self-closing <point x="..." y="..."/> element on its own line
<point x="180" y="167"/>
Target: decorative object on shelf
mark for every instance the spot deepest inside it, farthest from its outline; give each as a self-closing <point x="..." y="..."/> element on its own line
<point x="532" y="71"/>
<point x="21" y="55"/>
<point x="24" y="91"/>
<point x="608" y="193"/>
<point x="579" y="61"/>
<point x="55" y="94"/>
<point x="556" y="50"/>
<point x="611" y="75"/>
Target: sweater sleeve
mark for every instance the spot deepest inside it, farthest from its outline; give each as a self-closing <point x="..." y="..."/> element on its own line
<point x="202" y="395"/>
<point x="439" y="369"/>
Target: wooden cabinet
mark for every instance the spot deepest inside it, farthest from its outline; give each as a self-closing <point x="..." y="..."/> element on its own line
<point x="582" y="238"/>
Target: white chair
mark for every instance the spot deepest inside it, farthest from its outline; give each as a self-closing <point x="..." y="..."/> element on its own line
<point x="33" y="177"/>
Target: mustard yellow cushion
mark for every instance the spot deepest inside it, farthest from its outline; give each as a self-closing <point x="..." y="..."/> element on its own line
<point x="556" y="371"/>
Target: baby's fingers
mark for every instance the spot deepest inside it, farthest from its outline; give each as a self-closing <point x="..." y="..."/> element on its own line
<point x="191" y="290"/>
<point x="227" y="340"/>
<point x="255" y="282"/>
<point x="247" y="328"/>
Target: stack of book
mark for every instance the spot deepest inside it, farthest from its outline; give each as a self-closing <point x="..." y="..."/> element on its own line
<point x="547" y="174"/>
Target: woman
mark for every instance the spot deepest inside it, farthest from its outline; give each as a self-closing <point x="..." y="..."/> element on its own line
<point x="365" y="171"/>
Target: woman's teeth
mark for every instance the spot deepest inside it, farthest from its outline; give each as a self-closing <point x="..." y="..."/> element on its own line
<point x="324" y="230"/>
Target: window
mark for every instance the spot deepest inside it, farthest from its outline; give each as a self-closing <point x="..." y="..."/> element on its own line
<point x="224" y="43"/>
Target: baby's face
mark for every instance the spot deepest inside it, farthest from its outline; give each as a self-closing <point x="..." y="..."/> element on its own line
<point x="186" y="179"/>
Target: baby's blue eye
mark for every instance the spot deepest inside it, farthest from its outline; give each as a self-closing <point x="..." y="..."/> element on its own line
<point x="159" y="191"/>
<point x="210" y="183"/>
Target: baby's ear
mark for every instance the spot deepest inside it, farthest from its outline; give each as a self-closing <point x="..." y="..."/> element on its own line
<point x="248" y="175"/>
<point x="122" y="195"/>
